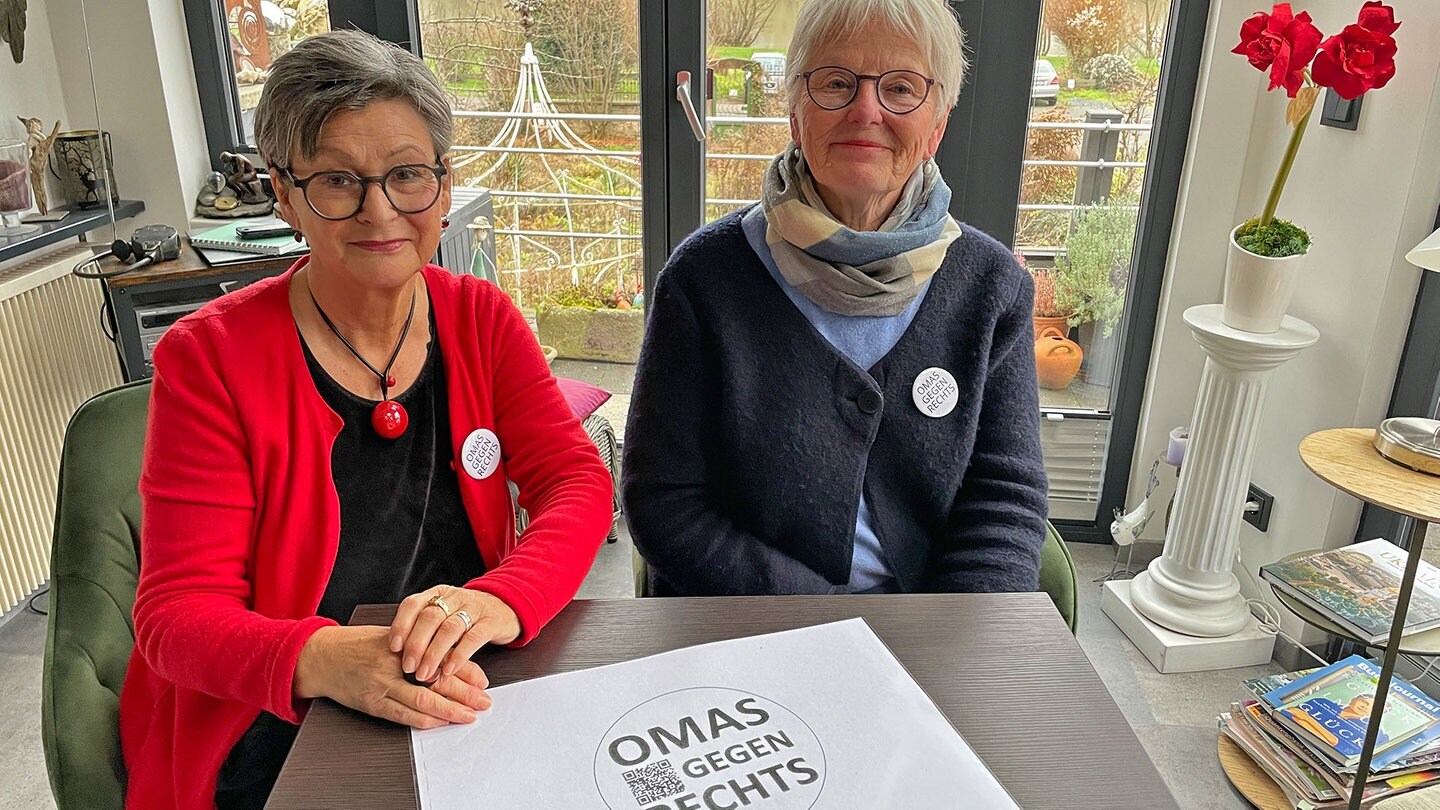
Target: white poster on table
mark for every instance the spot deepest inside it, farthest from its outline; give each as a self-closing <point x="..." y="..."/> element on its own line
<point x="821" y="717"/>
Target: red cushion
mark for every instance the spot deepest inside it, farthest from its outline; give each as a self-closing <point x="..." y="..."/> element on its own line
<point x="583" y="397"/>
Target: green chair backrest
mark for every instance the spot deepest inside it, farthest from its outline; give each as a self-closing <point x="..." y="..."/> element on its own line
<point x="1057" y="575"/>
<point x="94" y="566"/>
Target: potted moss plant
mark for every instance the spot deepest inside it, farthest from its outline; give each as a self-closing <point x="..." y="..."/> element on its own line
<point x="1266" y="253"/>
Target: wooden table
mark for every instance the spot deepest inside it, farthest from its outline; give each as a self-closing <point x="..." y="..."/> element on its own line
<point x="1003" y="668"/>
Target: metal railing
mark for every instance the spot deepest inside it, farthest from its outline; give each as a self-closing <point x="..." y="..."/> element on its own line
<point x="1100" y="139"/>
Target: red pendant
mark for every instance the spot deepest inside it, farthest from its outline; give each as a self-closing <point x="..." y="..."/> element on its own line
<point x="389" y="419"/>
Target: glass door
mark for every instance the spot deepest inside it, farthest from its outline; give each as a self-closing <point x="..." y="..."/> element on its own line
<point x="546" y="98"/>
<point x="1090" y="152"/>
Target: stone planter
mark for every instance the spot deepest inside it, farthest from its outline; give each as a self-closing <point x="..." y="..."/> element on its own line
<point x="608" y="335"/>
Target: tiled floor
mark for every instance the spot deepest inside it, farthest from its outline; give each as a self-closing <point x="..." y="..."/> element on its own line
<point x="1173" y="715"/>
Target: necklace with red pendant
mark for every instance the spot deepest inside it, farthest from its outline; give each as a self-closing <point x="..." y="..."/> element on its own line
<point x="389" y="417"/>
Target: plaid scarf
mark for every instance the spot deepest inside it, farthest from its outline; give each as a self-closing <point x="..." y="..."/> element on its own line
<point x="855" y="272"/>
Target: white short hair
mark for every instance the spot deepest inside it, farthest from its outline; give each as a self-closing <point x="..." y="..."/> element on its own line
<point x="930" y="24"/>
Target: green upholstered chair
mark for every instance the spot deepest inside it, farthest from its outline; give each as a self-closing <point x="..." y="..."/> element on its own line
<point x="94" y="567"/>
<point x="1057" y="575"/>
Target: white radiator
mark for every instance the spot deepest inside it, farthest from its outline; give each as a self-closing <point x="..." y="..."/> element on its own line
<point x="52" y="358"/>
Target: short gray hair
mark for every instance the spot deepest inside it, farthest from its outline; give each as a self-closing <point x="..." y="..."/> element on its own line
<point x="930" y="24"/>
<point x="342" y="70"/>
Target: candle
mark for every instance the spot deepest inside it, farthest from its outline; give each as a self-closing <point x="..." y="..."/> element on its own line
<point x="1175" y="452"/>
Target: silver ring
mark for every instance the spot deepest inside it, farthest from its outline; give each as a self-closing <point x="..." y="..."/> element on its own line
<point x="464" y="617"/>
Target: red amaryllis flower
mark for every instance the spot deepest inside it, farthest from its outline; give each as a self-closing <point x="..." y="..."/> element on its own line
<point x="1281" y="42"/>
<point x="1362" y="56"/>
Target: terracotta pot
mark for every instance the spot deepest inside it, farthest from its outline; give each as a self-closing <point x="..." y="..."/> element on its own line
<point x="1258" y="289"/>
<point x="1043" y="322"/>
<point x="1057" y="359"/>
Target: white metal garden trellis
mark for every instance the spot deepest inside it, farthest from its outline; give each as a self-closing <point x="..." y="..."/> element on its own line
<point x="530" y="133"/>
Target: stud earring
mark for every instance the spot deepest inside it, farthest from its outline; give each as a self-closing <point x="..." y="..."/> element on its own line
<point x="445" y="222"/>
<point x="299" y="237"/>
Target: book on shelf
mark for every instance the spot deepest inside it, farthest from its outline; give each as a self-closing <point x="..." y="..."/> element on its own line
<point x="224" y="238"/>
<point x="1357" y="588"/>
<point x="1330" y="709"/>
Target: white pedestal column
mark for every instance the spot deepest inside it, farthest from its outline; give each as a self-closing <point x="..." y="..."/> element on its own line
<point x="1191" y="589"/>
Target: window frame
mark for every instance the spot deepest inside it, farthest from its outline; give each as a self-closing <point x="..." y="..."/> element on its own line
<point x="208" y="30"/>
<point x="1159" y="199"/>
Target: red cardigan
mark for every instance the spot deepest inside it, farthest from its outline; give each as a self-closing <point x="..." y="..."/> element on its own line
<point x="241" y="520"/>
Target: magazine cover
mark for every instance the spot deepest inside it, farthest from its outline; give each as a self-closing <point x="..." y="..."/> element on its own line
<point x="1334" y="711"/>
<point x="1358" y="586"/>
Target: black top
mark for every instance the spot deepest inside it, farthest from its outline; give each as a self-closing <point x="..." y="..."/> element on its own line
<point x="403" y="529"/>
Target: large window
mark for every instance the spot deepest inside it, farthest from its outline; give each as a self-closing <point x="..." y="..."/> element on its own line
<point x="1095" y="93"/>
<point x="1067" y="142"/>
<point x="261" y="31"/>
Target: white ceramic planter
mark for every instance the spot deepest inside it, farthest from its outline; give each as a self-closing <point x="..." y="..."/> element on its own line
<point x="1258" y="289"/>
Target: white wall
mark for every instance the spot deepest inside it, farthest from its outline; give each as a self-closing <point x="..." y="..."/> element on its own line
<point x="147" y="99"/>
<point x="1366" y="197"/>
<point x="32" y="87"/>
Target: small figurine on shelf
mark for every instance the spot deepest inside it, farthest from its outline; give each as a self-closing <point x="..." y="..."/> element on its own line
<point x="235" y="193"/>
<point x="40" y="145"/>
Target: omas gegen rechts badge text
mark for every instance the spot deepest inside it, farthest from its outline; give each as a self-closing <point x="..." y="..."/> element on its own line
<point x="709" y="748"/>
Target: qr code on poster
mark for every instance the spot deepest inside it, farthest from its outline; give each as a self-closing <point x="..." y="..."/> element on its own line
<point x="654" y="782"/>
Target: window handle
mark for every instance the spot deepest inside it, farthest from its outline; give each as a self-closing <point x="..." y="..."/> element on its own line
<point x="682" y="95"/>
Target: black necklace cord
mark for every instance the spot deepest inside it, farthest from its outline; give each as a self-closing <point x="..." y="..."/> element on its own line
<point x="404" y="332"/>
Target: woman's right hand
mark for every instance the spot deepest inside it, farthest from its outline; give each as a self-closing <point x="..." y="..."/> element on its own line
<point x="354" y="666"/>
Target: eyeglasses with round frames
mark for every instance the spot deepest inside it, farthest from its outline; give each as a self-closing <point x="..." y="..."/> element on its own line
<point x="900" y="91"/>
<point x="337" y="195"/>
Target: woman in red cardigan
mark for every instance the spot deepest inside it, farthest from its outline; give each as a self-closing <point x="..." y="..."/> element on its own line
<point x="342" y="435"/>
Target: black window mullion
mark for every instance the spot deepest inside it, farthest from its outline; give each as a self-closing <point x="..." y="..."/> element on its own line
<point x="396" y="21"/>
<point x="214" y="76"/>
<point x="672" y="180"/>
<point x="982" y="153"/>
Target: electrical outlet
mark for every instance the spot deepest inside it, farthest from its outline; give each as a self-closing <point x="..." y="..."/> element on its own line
<point x="1260" y="518"/>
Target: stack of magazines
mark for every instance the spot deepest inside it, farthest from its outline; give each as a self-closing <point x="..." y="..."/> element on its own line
<point x="1357" y="587"/>
<point x="1306" y="730"/>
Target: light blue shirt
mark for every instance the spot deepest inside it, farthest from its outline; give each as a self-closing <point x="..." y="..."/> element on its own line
<point x="865" y="339"/>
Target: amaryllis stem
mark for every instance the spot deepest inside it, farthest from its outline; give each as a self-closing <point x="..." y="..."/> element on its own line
<point x="1268" y="215"/>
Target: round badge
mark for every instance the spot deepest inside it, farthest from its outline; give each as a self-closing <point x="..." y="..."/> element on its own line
<point x="935" y="392"/>
<point x="480" y="455"/>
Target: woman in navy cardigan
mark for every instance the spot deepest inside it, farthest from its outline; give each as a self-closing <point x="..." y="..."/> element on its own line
<point x="837" y="390"/>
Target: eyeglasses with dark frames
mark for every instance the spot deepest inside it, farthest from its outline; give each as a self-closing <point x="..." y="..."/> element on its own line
<point x="336" y="195"/>
<point x="900" y="91"/>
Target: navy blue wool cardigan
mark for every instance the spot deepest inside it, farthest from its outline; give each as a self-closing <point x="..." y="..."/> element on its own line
<point x="750" y="436"/>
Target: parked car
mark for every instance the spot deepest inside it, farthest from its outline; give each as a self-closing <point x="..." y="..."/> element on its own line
<point x="773" y="64"/>
<point x="1045" y="85"/>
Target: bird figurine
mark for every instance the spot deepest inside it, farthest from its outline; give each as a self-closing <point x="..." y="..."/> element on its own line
<point x="40" y="146"/>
